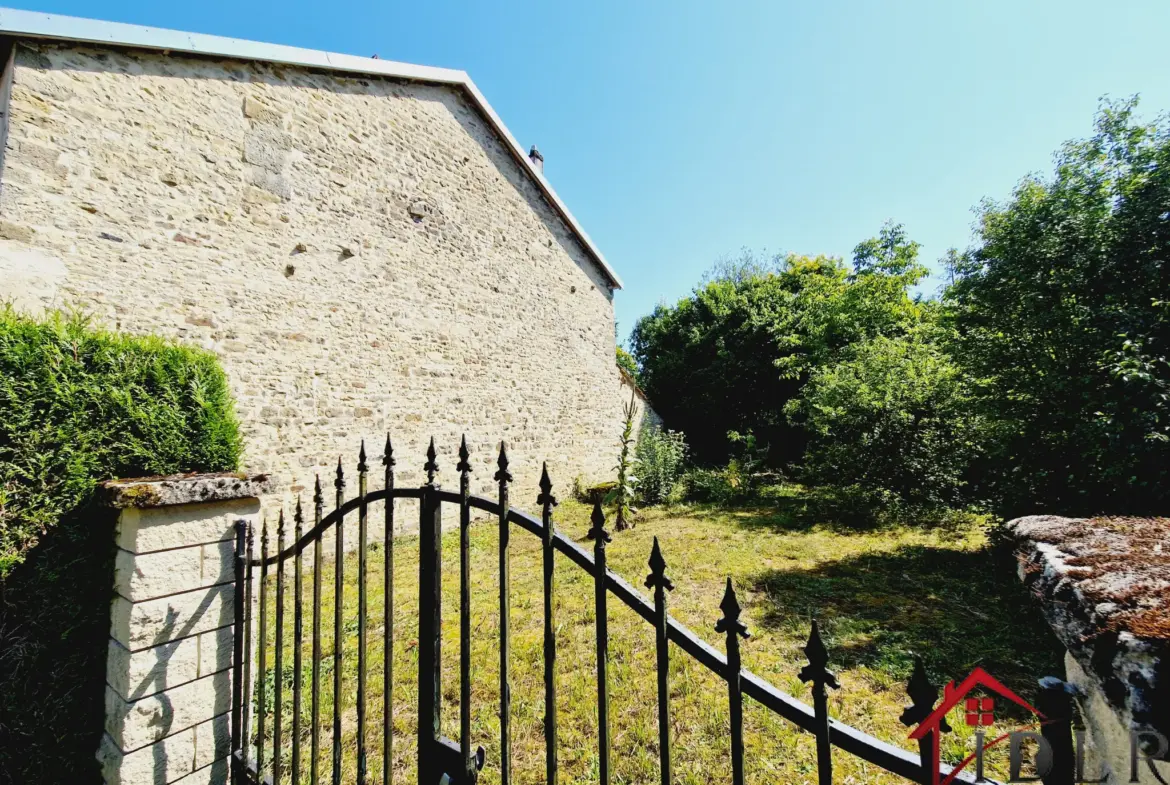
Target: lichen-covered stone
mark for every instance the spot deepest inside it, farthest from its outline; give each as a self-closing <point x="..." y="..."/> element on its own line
<point x="184" y="489"/>
<point x="1104" y="587"/>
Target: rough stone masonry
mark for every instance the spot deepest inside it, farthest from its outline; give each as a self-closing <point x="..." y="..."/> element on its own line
<point x="362" y="253"/>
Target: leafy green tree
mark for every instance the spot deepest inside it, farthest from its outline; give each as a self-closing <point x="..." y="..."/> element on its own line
<point x="731" y="355"/>
<point x="1060" y="314"/>
<point x="708" y="363"/>
<point x="626" y="362"/>
<point x="892" y="420"/>
<point x="836" y="307"/>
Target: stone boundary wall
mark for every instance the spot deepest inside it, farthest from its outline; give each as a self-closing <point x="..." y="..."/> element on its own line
<point x="168" y="668"/>
<point x="363" y="254"/>
<point x="646" y="414"/>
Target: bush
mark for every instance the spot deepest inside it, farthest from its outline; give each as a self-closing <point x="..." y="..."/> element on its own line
<point x="726" y="486"/>
<point x="733" y="353"/>
<point x="77" y="406"/>
<point x="740" y="481"/>
<point x="707" y="486"/>
<point x="660" y="455"/>
<point x="627" y="363"/>
<point x="892" y="423"/>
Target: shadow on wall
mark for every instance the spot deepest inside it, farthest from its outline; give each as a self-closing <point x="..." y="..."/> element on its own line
<point x="955" y="608"/>
<point x="54" y="633"/>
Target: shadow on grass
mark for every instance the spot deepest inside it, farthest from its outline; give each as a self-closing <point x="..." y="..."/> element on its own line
<point x="956" y="608"/>
<point x="793" y="508"/>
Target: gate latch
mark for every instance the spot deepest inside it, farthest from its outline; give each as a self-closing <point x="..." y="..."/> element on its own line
<point x="457" y="771"/>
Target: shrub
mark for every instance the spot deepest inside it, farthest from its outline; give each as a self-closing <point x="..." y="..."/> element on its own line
<point x="79" y="405"/>
<point x="740" y="481"/>
<point x="734" y="352"/>
<point x="746" y="469"/>
<point x="707" y="485"/>
<point x="660" y="455"/>
<point x="724" y="486"/>
<point x="892" y="423"/>
<point x="627" y="363"/>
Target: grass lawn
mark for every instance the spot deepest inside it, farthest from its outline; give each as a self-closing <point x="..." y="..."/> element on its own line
<point x="880" y="595"/>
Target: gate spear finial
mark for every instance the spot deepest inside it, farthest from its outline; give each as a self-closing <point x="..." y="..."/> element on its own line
<point x="923" y="694"/>
<point x="503" y="475"/>
<point x="818" y="658"/>
<point x="657" y="576"/>
<point x="545" y="497"/>
<point x="730" y="622"/>
<point x="597" y="518"/>
<point x="464" y="464"/>
<point x="388" y="452"/>
<point x="432" y="464"/>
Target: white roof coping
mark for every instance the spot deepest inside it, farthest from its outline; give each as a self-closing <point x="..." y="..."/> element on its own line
<point x="17" y="23"/>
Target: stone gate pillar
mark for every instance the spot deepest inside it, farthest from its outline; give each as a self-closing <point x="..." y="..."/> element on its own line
<point x="168" y="669"/>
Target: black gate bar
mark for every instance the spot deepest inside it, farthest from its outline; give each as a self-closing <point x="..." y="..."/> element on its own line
<point x="455" y="760"/>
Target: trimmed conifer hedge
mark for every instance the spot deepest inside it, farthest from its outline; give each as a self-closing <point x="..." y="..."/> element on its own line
<point x="79" y="405"/>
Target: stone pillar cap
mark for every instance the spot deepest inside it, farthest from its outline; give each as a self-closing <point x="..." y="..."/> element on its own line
<point x="1104" y="588"/>
<point x="191" y="488"/>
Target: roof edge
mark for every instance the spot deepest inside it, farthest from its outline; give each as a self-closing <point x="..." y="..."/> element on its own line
<point x="35" y="24"/>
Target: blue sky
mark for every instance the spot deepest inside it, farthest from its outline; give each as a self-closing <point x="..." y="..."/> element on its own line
<point x="678" y="132"/>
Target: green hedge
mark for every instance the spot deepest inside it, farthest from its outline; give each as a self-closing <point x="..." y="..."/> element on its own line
<point x="80" y="405"/>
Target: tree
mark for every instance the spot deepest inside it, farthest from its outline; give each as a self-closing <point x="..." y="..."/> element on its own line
<point x="892" y="420"/>
<point x="708" y="363"/>
<point x="733" y="354"/>
<point x="626" y="362"/>
<point x="1060" y="315"/>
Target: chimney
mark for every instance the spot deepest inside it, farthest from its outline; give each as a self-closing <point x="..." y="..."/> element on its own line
<point x="536" y="158"/>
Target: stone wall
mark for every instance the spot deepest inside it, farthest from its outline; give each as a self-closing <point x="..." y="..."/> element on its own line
<point x="362" y="253"/>
<point x="645" y="414"/>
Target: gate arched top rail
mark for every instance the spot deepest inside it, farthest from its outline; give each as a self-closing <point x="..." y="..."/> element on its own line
<point x="844" y="737"/>
<point x="330" y="520"/>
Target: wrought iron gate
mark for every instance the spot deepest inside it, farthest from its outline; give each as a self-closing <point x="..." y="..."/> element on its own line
<point x="257" y="746"/>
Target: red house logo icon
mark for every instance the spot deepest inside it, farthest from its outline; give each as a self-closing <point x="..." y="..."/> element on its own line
<point x="980" y="711"/>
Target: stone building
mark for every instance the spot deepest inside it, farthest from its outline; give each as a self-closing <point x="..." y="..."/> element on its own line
<point x="362" y="242"/>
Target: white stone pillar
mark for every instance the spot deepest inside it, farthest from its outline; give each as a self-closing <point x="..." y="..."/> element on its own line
<point x="1108" y="749"/>
<point x="168" y="671"/>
